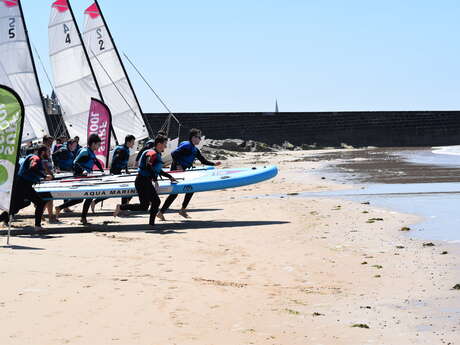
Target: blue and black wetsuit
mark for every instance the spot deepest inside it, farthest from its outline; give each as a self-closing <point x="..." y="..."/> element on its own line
<point x="63" y="158"/>
<point x="150" y="167"/>
<point x="183" y="158"/>
<point x="84" y="162"/>
<point x="31" y="171"/>
<point x="120" y="160"/>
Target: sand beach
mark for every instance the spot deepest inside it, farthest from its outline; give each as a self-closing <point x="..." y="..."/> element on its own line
<point x="254" y="265"/>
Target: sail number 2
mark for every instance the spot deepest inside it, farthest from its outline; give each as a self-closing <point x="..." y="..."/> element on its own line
<point x="100" y="38"/>
<point x="12" y="28"/>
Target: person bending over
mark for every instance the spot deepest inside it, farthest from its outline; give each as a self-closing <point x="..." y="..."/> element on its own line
<point x="63" y="158"/>
<point x="120" y="160"/>
<point x="83" y="165"/>
<point x="30" y="172"/>
<point x="150" y="167"/>
<point x="183" y="158"/>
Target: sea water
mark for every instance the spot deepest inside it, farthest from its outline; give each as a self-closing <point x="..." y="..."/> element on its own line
<point x="437" y="203"/>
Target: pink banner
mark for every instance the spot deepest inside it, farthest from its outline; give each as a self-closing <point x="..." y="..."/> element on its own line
<point x="99" y="121"/>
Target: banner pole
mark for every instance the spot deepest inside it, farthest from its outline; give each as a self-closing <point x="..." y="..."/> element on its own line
<point x="9" y="230"/>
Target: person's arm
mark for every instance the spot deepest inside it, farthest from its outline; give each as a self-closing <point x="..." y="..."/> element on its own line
<point x="98" y="164"/>
<point x="82" y="157"/>
<point x="165" y="174"/>
<point x="35" y="168"/>
<point x="204" y="161"/>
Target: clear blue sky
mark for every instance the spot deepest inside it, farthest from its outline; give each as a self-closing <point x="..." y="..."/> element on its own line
<point x="312" y="55"/>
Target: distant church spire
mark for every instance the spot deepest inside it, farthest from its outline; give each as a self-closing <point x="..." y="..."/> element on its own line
<point x="277" y="110"/>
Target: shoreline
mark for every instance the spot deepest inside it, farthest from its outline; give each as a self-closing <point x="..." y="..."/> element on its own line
<point x="262" y="271"/>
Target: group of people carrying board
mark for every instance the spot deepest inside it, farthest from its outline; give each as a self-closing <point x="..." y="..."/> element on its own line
<point x="68" y="156"/>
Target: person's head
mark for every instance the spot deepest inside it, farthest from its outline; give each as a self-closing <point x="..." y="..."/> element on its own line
<point x="71" y="145"/>
<point x="195" y="136"/>
<point x="150" y="144"/>
<point x="58" y="141"/>
<point x="48" y="140"/>
<point x="32" y="150"/>
<point x="76" y="139"/>
<point x="160" y="143"/>
<point x="94" y="142"/>
<point x="130" y="140"/>
<point x="43" y="152"/>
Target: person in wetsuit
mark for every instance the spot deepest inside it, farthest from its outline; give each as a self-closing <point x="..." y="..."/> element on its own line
<point x="63" y="158"/>
<point x="120" y="162"/>
<point x="150" y="167"/>
<point x="83" y="165"/>
<point x="31" y="171"/>
<point x="183" y="158"/>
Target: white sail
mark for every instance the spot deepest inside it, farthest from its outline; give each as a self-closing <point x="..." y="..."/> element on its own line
<point x="111" y="76"/>
<point x="17" y="69"/>
<point x="73" y="80"/>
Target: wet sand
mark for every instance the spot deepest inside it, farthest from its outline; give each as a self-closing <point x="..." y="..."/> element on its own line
<point x="243" y="270"/>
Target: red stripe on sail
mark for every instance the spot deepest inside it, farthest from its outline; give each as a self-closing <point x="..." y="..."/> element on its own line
<point x="93" y="11"/>
<point x="61" y="5"/>
<point x="10" y="3"/>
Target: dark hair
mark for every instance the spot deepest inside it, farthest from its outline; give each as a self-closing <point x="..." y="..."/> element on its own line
<point x="47" y="138"/>
<point x="194" y="133"/>
<point x="77" y="138"/>
<point x="162" y="132"/>
<point x="129" y="138"/>
<point x="42" y="148"/>
<point x="93" y="139"/>
<point x="70" y="142"/>
<point x="160" y="139"/>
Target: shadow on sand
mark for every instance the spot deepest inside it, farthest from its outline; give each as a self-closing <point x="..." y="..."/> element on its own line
<point x="161" y="228"/>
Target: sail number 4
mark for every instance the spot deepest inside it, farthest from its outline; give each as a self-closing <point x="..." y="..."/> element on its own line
<point x="12" y="28"/>
<point x="67" y="34"/>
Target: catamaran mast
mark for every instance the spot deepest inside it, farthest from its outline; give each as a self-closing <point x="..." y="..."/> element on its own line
<point x="89" y="63"/>
<point x="149" y="128"/>
<point x="26" y="32"/>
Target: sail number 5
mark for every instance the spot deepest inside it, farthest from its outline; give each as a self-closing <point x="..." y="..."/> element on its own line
<point x="12" y="28"/>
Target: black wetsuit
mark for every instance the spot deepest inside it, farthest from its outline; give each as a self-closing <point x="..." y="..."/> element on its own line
<point x="30" y="172"/>
<point x="85" y="161"/>
<point x="150" y="167"/>
<point x="184" y="156"/>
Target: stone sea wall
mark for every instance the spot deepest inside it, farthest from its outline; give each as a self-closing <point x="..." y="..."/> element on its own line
<point x="358" y="129"/>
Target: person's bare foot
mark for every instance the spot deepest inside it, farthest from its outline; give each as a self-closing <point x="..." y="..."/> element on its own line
<point x="39" y="229"/>
<point x="53" y="220"/>
<point x="93" y="206"/>
<point x="57" y="210"/>
<point x="117" y="211"/>
<point x="184" y="214"/>
<point x="84" y="221"/>
<point x="161" y="216"/>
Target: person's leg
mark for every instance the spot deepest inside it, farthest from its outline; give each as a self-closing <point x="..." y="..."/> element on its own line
<point x="39" y="203"/>
<point x="125" y="201"/>
<point x="144" y="189"/>
<point x="68" y="203"/>
<point x="94" y="202"/>
<point x="155" y="204"/>
<point x="85" y="210"/>
<point x="169" y="200"/>
<point x="185" y="203"/>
